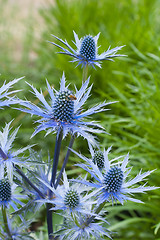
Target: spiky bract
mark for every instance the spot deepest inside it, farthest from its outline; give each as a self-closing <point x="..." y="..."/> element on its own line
<point x="87" y="50"/>
<point x="65" y="111"/>
<point x="112" y="181"/>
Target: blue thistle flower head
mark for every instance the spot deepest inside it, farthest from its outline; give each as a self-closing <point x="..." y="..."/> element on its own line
<point x="63" y="106"/>
<point x="5" y="98"/>
<point x="9" y="157"/>
<point x="8" y="197"/>
<point x="75" y="228"/>
<point x="87" y="50"/>
<point x="5" y="191"/>
<point x="112" y="179"/>
<point x="70" y="197"/>
<point x="64" y="112"/>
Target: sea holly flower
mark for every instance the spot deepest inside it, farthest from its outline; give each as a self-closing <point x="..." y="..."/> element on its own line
<point x="4" y="93"/>
<point x="18" y="231"/>
<point x="87" y="50"/>
<point x="65" y="111"/>
<point x="9" y="157"/>
<point x="75" y="228"/>
<point x="7" y="195"/>
<point x="112" y="182"/>
<point x="9" y="198"/>
<point x="5" y="191"/>
<point x="70" y="197"/>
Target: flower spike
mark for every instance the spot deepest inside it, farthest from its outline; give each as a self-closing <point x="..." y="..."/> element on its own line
<point x="65" y="111"/>
<point x="70" y="197"/>
<point x="8" y="197"/>
<point x="87" y="50"/>
<point x="112" y="179"/>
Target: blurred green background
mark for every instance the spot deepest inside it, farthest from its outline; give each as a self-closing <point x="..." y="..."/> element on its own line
<point x="134" y="81"/>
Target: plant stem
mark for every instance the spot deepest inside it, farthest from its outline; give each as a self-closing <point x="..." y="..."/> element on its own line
<point x="99" y="208"/>
<point x="5" y="220"/>
<point x="54" y="171"/>
<point x="65" y="160"/>
<point x="49" y="221"/>
<point x="29" y="182"/>
<point x="2" y="236"/>
<point x="85" y="73"/>
<point x="56" y="157"/>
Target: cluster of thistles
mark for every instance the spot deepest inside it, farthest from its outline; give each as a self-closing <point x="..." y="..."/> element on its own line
<point x="79" y="202"/>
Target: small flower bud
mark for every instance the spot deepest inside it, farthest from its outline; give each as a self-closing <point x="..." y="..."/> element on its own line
<point x="98" y="159"/>
<point x="5" y="190"/>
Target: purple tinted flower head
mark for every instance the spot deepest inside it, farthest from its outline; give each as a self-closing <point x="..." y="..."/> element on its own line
<point x="112" y="181"/>
<point x="5" y="191"/>
<point x="75" y="228"/>
<point x="70" y="197"/>
<point x="64" y="112"/>
<point x="8" y="197"/>
<point x="87" y="50"/>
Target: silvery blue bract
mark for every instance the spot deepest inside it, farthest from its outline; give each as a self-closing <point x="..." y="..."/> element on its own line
<point x="4" y="93"/>
<point x="65" y="111"/>
<point x="112" y="181"/>
<point x="87" y="50"/>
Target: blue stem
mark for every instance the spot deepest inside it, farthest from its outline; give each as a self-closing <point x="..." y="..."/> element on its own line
<point x="98" y="209"/>
<point x="56" y="157"/>
<point x="65" y="160"/>
<point x="5" y="220"/>
<point x="49" y="221"/>
<point x="29" y="182"/>
<point x="54" y="171"/>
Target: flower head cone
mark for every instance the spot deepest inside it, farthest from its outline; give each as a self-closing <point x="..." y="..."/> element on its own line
<point x="9" y="157"/>
<point x="71" y="197"/>
<point x="5" y="99"/>
<point x="87" y="50"/>
<point x="65" y="111"/>
<point x="8" y="197"/>
<point x="112" y="181"/>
